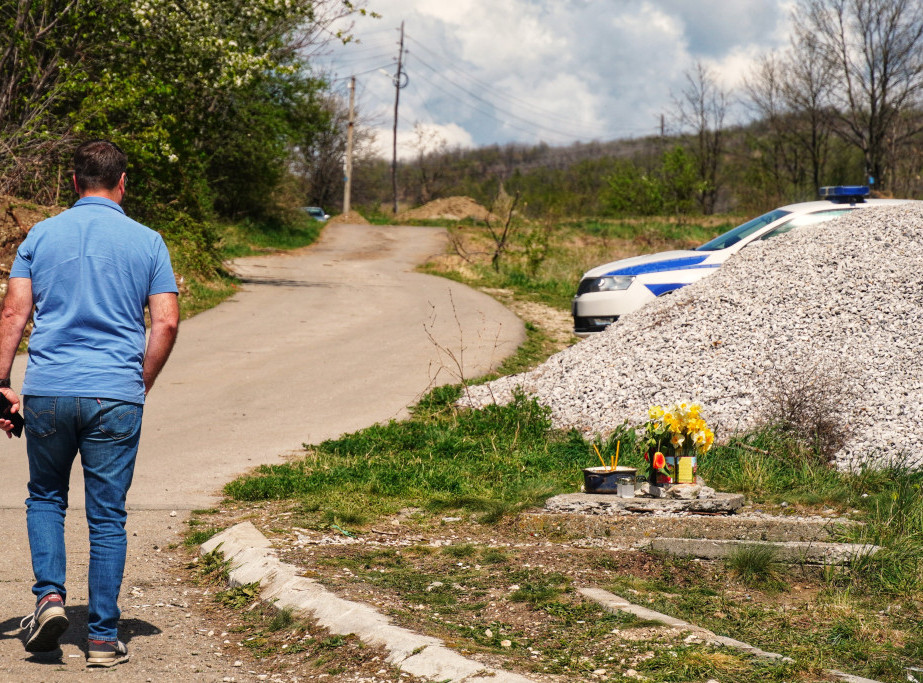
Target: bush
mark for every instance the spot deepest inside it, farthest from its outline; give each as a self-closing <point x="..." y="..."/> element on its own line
<point x="810" y="406"/>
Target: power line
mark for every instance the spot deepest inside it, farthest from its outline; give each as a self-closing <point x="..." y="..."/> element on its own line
<point x="491" y="115"/>
<point x="361" y="73"/>
<point x="534" y="124"/>
<point x="489" y="88"/>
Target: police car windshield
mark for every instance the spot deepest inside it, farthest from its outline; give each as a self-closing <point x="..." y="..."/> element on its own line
<point x="734" y="236"/>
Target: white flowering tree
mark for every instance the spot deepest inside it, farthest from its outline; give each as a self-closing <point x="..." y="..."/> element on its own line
<point x="204" y="95"/>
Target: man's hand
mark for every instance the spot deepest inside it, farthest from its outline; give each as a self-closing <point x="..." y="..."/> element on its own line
<point x="13" y="398"/>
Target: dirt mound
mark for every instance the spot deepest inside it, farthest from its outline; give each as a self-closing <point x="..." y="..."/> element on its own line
<point x="351" y="218"/>
<point x="16" y="219"/>
<point x="451" y="208"/>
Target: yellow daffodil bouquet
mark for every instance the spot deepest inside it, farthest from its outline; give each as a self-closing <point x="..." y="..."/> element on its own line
<point x="674" y="437"/>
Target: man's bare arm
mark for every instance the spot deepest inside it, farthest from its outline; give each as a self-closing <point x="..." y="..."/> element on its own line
<point x="164" y="310"/>
<point x="17" y="307"/>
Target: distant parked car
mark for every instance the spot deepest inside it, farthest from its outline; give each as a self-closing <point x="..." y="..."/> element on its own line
<point x="620" y="287"/>
<point x="316" y="213"/>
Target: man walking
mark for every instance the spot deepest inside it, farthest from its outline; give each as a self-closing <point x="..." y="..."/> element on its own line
<point x="89" y="271"/>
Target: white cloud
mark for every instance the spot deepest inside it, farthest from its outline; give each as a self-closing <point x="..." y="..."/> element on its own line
<point x="488" y="71"/>
<point x="409" y="143"/>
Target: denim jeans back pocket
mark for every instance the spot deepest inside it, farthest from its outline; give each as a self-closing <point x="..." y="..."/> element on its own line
<point x="118" y="419"/>
<point x="38" y="412"/>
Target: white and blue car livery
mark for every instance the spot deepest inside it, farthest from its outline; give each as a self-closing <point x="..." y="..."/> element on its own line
<point x="614" y="289"/>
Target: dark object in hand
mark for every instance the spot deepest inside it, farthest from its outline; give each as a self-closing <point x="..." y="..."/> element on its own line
<point x="15" y="418"/>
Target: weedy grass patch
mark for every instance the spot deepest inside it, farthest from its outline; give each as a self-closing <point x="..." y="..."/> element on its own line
<point x="544" y="262"/>
<point x="493" y="461"/>
<point x="250" y="238"/>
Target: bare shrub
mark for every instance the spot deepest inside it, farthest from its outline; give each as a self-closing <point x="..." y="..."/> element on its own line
<point x="810" y="406"/>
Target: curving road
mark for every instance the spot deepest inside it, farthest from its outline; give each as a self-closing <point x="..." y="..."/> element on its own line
<point x="317" y="342"/>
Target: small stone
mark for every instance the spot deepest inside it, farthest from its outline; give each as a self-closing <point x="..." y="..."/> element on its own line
<point x="488" y="633"/>
<point x="238" y="663"/>
<point x="173" y="514"/>
<point x="506" y="643"/>
<point x="684" y="491"/>
<point x="706" y="492"/>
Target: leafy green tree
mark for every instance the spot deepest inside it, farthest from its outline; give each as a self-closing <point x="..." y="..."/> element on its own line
<point x="206" y="96"/>
<point x="679" y="181"/>
<point x="632" y="191"/>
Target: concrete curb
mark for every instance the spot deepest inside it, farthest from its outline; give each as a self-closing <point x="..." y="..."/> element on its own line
<point x="796" y="552"/>
<point x="252" y="560"/>
<point x="614" y="603"/>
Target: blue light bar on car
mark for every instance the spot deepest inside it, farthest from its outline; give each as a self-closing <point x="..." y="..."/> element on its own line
<point x="844" y="192"/>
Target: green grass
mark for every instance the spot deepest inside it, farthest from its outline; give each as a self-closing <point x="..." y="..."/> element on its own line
<point x="203" y="295"/>
<point x="755" y="565"/>
<point x="544" y="262"/>
<point x="652" y="231"/>
<point x="249" y="238"/>
<point x="489" y="462"/>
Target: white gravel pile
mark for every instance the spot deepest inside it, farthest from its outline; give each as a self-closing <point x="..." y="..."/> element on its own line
<point x="844" y="296"/>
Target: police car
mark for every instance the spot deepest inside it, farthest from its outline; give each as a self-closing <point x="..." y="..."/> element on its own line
<point x="620" y="287"/>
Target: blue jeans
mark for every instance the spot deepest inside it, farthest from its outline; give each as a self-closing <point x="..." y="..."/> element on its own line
<point x="106" y="433"/>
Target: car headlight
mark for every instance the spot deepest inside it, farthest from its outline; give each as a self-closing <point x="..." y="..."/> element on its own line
<point x="607" y="283"/>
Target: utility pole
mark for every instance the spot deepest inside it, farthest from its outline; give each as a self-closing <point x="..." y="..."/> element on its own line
<point x="347" y="192"/>
<point x="400" y="81"/>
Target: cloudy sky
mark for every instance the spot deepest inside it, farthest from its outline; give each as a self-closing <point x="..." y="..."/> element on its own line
<point x="494" y="71"/>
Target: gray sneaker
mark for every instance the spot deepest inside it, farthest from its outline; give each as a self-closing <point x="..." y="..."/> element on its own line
<point x="106" y="652"/>
<point x="46" y="624"/>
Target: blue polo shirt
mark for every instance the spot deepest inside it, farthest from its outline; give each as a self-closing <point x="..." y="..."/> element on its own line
<point x="92" y="270"/>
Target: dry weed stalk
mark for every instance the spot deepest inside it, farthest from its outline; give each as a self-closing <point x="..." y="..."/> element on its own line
<point x="811" y="405"/>
<point x="504" y="206"/>
<point x="456" y="361"/>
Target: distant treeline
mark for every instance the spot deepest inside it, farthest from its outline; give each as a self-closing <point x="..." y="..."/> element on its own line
<point x="650" y="176"/>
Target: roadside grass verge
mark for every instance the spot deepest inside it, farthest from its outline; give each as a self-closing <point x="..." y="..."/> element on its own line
<point x="250" y="238"/>
<point x="204" y="282"/>
<point x="544" y="262"/>
<point x="492" y="461"/>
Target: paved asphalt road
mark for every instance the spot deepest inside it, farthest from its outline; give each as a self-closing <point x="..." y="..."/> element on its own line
<point x="317" y="343"/>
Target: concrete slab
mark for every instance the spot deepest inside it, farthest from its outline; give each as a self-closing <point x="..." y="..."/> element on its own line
<point x="616" y="603"/>
<point x="629" y="528"/>
<point x="794" y="552"/>
<point x="607" y="504"/>
<point x="441" y="664"/>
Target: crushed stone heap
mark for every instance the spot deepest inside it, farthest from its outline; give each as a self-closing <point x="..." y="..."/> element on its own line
<point x="842" y="297"/>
